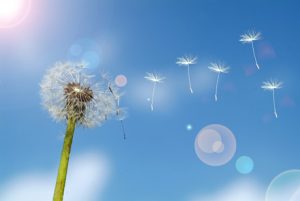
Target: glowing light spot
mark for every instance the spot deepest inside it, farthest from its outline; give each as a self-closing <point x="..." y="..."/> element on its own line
<point x="13" y="12"/>
<point x="121" y="80"/>
<point x="189" y="127"/>
<point x="285" y="186"/>
<point x="215" y="145"/>
<point x="244" y="165"/>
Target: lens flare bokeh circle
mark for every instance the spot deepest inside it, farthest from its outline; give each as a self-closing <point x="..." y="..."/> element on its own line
<point x="121" y="80"/>
<point x="285" y="186"/>
<point x="215" y="145"/>
<point x="86" y="50"/>
<point x="13" y="12"/>
<point x="244" y="165"/>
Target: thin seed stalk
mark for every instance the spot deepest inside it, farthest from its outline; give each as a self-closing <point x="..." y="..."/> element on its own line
<point x="274" y="104"/>
<point x="216" y="90"/>
<point x="152" y="97"/>
<point x="64" y="161"/>
<point x="189" y="77"/>
<point x="254" y="55"/>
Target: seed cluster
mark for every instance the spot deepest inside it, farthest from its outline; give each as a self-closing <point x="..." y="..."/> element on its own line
<point x="68" y="92"/>
<point x="77" y="97"/>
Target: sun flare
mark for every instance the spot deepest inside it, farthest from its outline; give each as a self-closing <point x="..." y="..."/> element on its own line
<point x="13" y="12"/>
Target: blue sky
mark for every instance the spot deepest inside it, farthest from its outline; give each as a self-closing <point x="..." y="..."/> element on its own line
<point x="157" y="161"/>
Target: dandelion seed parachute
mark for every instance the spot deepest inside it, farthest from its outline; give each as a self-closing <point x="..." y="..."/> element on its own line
<point x="187" y="61"/>
<point x="121" y="113"/>
<point x="155" y="79"/>
<point x="250" y="37"/>
<point x="218" y="68"/>
<point x="272" y="86"/>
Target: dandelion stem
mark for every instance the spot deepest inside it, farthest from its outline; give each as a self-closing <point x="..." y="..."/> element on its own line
<point x="152" y="97"/>
<point x="189" y="77"/>
<point x="254" y="55"/>
<point x="64" y="161"/>
<point x="274" y="104"/>
<point x="217" y="84"/>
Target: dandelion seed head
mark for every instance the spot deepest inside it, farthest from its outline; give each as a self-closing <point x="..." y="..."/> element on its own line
<point x="68" y="92"/>
<point x="186" y="60"/>
<point x="219" y="68"/>
<point x="250" y="36"/>
<point x="154" y="78"/>
<point x="272" y="85"/>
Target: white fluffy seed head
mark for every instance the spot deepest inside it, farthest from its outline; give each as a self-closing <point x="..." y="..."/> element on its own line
<point x="154" y="77"/>
<point x="68" y="92"/>
<point x="218" y="68"/>
<point x="271" y="85"/>
<point x="186" y="60"/>
<point x="250" y="36"/>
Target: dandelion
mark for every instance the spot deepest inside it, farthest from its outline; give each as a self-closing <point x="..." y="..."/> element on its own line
<point x="271" y="86"/>
<point x="250" y="37"/>
<point x="187" y="61"/>
<point x="70" y="95"/>
<point x="155" y="79"/>
<point x="218" y="68"/>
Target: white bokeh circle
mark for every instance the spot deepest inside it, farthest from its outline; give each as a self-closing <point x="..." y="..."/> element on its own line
<point x="121" y="80"/>
<point x="215" y="145"/>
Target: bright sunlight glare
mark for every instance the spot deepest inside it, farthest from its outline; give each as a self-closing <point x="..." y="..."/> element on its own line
<point x="13" y="12"/>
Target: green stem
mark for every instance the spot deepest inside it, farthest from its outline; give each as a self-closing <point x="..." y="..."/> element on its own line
<point x="64" y="161"/>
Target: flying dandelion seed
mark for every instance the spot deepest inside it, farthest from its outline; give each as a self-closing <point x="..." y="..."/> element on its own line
<point x="70" y="95"/>
<point x="218" y="68"/>
<point x="187" y="61"/>
<point x="271" y="86"/>
<point x="120" y="112"/>
<point x="250" y="37"/>
<point x="155" y="79"/>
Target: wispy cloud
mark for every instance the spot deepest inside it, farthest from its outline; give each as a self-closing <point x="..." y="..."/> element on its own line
<point x="243" y="190"/>
<point x="87" y="177"/>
